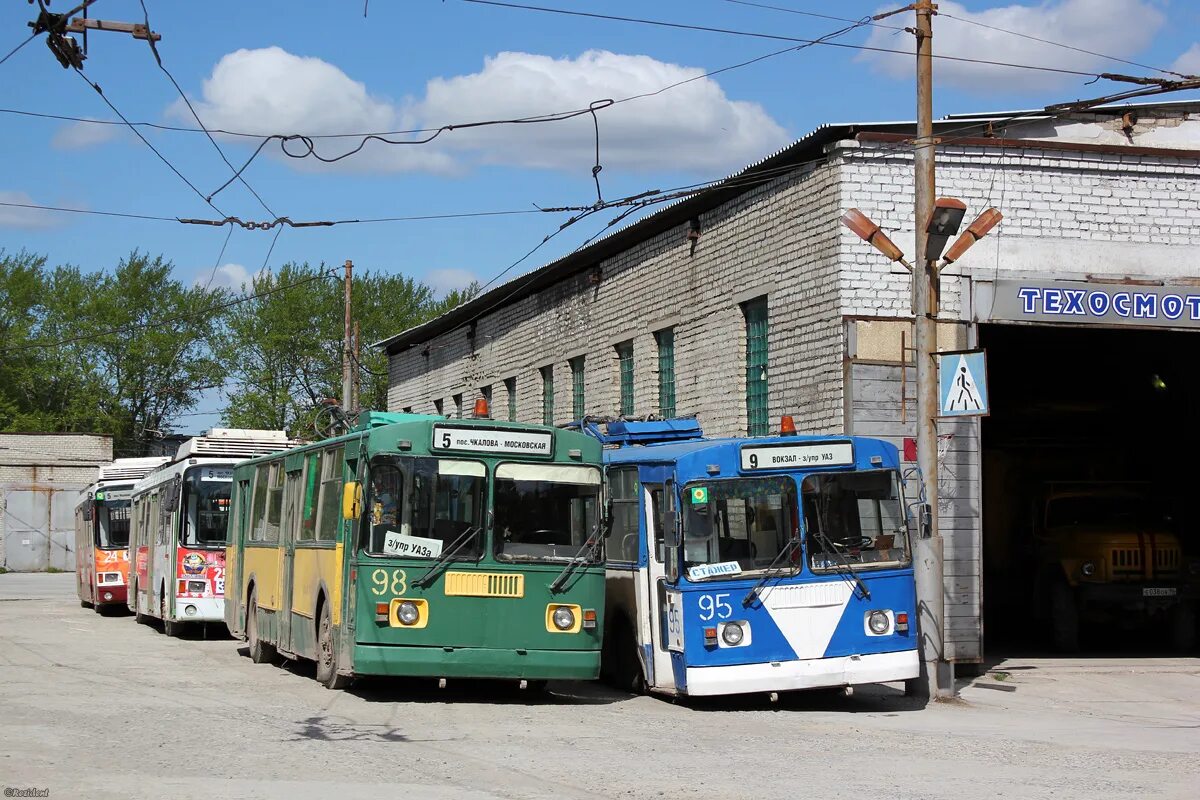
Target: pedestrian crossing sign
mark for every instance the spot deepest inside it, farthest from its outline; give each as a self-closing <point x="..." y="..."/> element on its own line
<point x="962" y="384"/>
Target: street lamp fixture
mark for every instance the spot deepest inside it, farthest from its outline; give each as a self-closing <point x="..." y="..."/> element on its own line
<point x="873" y="235"/>
<point x="974" y="232"/>
<point x="947" y="215"/>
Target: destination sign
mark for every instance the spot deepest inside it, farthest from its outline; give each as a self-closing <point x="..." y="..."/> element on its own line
<point x="797" y="456"/>
<point x="531" y="443"/>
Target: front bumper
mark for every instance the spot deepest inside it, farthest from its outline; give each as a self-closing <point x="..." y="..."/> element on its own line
<point x="815" y="673"/>
<point x="476" y="662"/>
<point x="111" y="594"/>
<point x="208" y="609"/>
<point x="1133" y="597"/>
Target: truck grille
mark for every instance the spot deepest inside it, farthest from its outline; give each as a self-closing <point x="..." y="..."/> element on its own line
<point x="1128" y="562"/>
<point x="484" y="584"/>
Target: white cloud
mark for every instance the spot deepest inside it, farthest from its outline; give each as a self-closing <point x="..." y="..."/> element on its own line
<point x="80" y="135"/>
<point x="227" y="276"/>
<point x="693" y="127"/>
<point x="1116" y="27"/>
<point x="1189" y="62"/>
<point x="25" y="218"/>
<point x="443" y="281"/>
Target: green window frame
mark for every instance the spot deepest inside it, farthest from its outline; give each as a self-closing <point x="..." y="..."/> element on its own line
<point x="578" y="403"/>
<point x="757" y="331"/>
<point x="510" y="386"/>
<point x="666" y="372"/>
<point x="458" y="409"/>
<point x="625" y="369"/>
<point x="547" y="394"/>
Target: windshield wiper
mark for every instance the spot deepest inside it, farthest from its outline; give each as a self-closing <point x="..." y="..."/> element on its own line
<point x="771" y="571"/>
<point x="851" y="577"/>
<point x="585" y="553"/>
<point x="458" y="544"/>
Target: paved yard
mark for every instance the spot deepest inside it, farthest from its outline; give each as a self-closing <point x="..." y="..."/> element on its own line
<point x="100" y="707"/>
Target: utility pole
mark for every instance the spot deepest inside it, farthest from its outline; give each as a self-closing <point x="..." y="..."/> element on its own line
<point x="356" y="384"/>
<point x="347" y="368"/>
<point x="931" y="590"/>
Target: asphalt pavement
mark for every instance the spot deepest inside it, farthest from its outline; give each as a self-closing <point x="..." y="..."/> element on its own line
<point x="100" y="707"/>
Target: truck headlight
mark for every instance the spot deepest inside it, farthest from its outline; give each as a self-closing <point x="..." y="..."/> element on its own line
<point x="564" y="618"/>
<point x="732" y="634"/>
<point x="408" y="613"/>
<point x="1088" y="568"/>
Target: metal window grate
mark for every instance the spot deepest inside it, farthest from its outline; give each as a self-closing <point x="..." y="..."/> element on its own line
<point x="510" y="386"/>
<point x="625" y="365"/>
<point x="547" y="395"/>
<point x="756" y="367"/>
<point x="666" y="372"/>
<point x="577" y="399"/>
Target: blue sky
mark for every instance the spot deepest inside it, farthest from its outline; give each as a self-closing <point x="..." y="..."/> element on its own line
<point x="320" y="67"/>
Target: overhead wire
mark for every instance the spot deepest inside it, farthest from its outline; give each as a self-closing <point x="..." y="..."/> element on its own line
<point x="17" y="49"/>
<point x="872" y="23"/>
<point x="200" y="122"/>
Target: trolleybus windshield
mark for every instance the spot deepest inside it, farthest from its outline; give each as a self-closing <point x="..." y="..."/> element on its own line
<point x="546" y="511"/>
<point x="205" y="506"/>
<point x="112" y="523"/>
<point x="741" y="524"/>
<point x="855" y="518"/>
<point x="419" y="507"/>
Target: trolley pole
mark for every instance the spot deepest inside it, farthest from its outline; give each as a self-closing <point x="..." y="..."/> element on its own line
<point x="936" y="672"/>
<point x="347" y="369"/>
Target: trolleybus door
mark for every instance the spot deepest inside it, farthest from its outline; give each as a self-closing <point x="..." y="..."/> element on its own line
<point x="287" y="548"/>
<point x="659" y="671"/>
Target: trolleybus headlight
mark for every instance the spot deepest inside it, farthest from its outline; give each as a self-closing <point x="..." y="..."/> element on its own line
<point x="878" y="622"/>
<point x="108" y="595"/>
<point x="189" y="610"/>
<point x="732" y="634"/>
<point x="564" y="618"/>
<point x="407" y="613"/>
<point x="1088" y="568"/>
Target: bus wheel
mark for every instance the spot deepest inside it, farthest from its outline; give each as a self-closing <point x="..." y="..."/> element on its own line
<point x="1064" y="618"/>
<point x="1183" y="628"/>
<point x="260" y="651"/>
<point x="169" y="628"/>
<point x="327" y="653"/>
<point x="85" y="604"/>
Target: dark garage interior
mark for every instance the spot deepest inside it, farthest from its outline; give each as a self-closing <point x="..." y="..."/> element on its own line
<point x="1090" y="462"/>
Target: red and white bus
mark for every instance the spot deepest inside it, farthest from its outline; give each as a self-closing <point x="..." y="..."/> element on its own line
<point x="102" y="533"/>
<point x="177" y="540"/>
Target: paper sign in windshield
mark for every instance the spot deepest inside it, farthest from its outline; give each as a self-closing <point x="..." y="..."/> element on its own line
<point x="409" y="546"/>
<point x="724" y="568"/>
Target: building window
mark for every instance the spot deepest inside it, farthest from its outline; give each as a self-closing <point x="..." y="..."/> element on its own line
<point x="756" y="366"/>
<point x="486" y="393"/>
<point x="510" y="386"/>
<point x="577" y="399"/>
<point x="458" y="406"/>
<point x="408" y="409"/>
<point x="625" y="366"/>
<point x="548" y="395"/>
<point x="437" y="408"/>
<point x="666" y="372"/>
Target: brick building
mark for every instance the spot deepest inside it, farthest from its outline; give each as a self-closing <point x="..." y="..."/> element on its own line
<point x="750" y="301"/>
<point x="41" y="475"/>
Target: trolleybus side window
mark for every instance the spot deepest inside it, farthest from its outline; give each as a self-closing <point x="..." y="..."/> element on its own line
<point x="624" y="487"/>
<point x="748" y="521"/>
<point x="855" y="518"/>
<point x="312" y="486"/>
<point x="156" y="519"/>
<point x="258" y="516"/>
<point x="329" y="513"/>
<point x="545" y="510"/>
<point x="206" y="497"/>
<point x="274" y="502"/>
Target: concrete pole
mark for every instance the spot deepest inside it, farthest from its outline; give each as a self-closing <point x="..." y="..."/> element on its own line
<point x="347" y="370"/>
<point x="937" y="675"/>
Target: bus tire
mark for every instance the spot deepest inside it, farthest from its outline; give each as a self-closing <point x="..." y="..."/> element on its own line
<point x="1183" y="628"/>
<point x="170" y="628"/>
<point x="327" y="672"/>
<point x="86" y="604"/>
<point x="260" y="651"/>
<point x="1064" y="618"/>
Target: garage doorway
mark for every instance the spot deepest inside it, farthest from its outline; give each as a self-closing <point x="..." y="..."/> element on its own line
<point x="1098" y="426"/>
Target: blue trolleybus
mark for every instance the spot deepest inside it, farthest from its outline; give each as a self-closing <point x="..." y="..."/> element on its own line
<point x="754" y="565"/>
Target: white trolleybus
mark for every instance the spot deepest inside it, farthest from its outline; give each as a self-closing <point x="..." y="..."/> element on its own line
<point x="102" y="533"/>
<point x="177" y="540"/>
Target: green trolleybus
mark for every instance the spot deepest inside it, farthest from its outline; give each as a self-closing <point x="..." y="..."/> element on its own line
<point x="417" y="545"/>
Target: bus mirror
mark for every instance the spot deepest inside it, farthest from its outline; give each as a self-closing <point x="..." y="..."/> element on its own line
<point x="671" y="528"/>
<point x="352" y="500"/>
